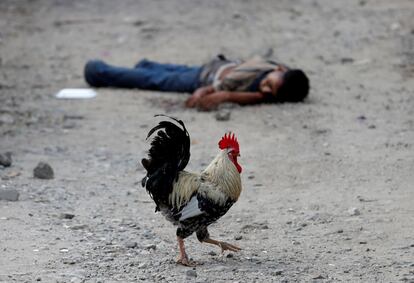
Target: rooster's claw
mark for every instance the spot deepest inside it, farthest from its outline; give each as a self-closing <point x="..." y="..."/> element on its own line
<point x="228" y="247"/>
<point x="186" y="262"/>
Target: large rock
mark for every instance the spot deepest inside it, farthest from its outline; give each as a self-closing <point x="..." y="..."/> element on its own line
<point x="43" y="171"/>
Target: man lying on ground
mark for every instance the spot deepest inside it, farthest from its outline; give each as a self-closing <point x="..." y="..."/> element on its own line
<point x="221" y="80"/>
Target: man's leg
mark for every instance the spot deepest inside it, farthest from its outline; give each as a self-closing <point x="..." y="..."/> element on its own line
<point x="99" y="74"/>
<point x="181" y="80"/>
<point x="148" y="64"/>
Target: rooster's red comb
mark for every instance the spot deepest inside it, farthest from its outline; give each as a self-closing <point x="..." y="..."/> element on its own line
<point x="229" y="141"/>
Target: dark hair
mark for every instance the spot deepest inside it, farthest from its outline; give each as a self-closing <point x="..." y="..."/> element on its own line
<point x="295" y="87"/>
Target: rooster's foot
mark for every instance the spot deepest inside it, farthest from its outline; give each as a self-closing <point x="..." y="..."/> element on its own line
<point x="228" y="247"/>
<point x="183" y="260"/>
<point x="223" y="245"/>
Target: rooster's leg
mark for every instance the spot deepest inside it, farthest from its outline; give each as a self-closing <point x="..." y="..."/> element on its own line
<point x="183" y="258"/>
<point x="223" y="245"/>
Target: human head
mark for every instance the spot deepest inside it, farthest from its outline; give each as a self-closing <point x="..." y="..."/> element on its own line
<point x="286" y="85"/>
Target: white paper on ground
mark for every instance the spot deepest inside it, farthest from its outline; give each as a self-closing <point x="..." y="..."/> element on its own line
<point x="76" y="93"/>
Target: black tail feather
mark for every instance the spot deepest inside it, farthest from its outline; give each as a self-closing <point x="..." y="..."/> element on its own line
<point x="168" y="155"/>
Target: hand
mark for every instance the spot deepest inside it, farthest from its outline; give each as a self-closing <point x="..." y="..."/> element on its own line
<point x="212" y="101"/>
<point x="192" y="101"/>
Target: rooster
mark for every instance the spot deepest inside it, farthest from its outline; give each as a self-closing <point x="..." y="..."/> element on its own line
<point x="191" y="201"/>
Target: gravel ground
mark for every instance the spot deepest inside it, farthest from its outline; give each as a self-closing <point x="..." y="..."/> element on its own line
<point x="328" y="184"/>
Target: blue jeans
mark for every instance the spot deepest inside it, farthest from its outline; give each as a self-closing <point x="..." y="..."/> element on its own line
<point x="146" y="74"/>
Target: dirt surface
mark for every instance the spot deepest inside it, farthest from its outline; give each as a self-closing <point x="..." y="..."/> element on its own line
<point x="328" y="184"/>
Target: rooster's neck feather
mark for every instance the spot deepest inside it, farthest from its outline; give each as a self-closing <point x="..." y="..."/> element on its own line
<point x="223" y="172"/>
<point x="219" y="181"/>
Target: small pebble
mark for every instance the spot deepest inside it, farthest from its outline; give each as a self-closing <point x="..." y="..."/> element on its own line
<point x="69" y="125"/>
<point x="361" y="118"/>
<point x="79" y="227"/>
<point x="11" y="175"/>
<point x="354" y="211"/>
<point x="66" y="216"/>
<point x="151" y="247"/>
<point x="9" y="194"/>
<point x="6" y="119"/>
<point x="347" y="60"/>
<point x="5" y="159"/>
<point x="142" y="265"/>
<point x="223" y="115"/>
<point x="191" y="273"/>
<point x="131" y="245"/>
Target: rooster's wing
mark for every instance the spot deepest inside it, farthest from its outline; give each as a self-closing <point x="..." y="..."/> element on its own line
<point x="208" y="202"/>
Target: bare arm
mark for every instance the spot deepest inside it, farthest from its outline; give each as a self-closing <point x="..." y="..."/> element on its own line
<point x="197" y="94"/>
<point x="245" y="97"/>
<point x="214" y="99"/>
